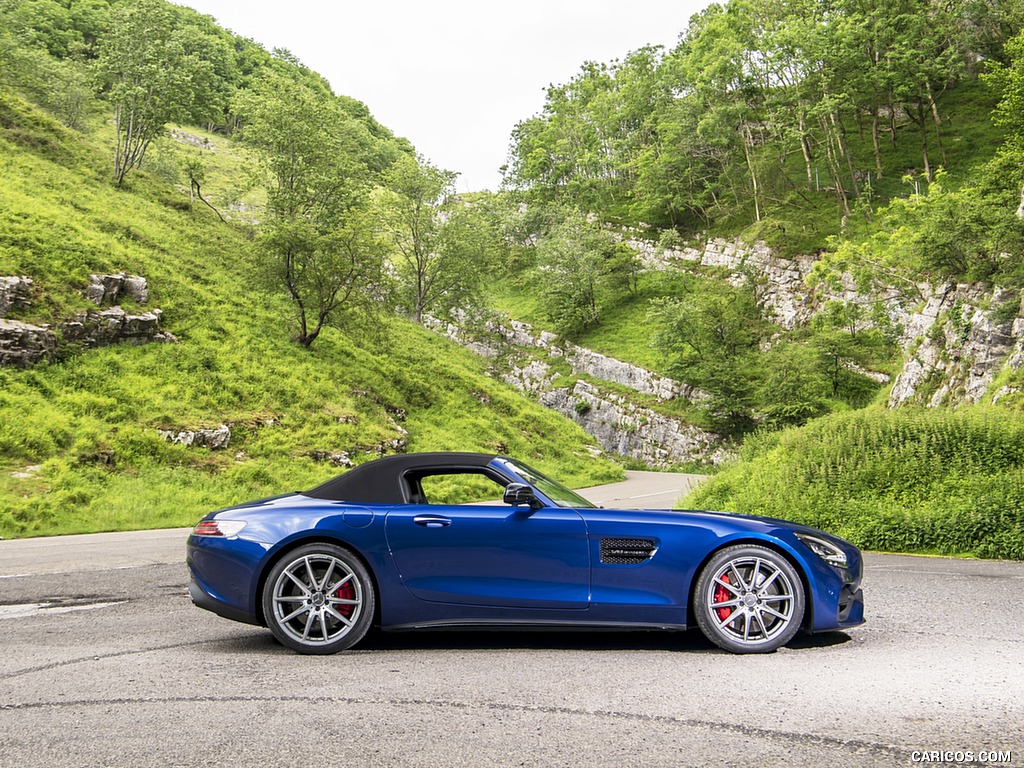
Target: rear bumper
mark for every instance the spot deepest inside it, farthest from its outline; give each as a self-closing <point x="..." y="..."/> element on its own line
<point x="222" y="580"/>
<point x="205" y="600"/>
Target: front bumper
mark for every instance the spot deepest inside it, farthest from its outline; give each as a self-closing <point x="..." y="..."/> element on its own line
<point x="851" y="606"/>
<point x="838" y="600"/>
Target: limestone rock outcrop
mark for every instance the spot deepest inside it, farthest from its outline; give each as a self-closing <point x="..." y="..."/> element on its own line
<point x="23" y="345"/>
<point x="956" y="344"/>
<point x="15" y="293"/>
<point x="516" y="334"/>
<point x="631" y="430"/>
<point x="214" y="439"/>
<point x="617" y="424"/>
<point x="105" y="290"/>
<point x="335" y="458"/>
<point x="783" y="291"/>
<point x="115" y="326"/>
<point x="955" y="337"/>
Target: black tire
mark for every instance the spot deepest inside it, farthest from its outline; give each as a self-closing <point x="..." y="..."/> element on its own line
<point x="749" y="599"/>
<point x="319" y="599"/>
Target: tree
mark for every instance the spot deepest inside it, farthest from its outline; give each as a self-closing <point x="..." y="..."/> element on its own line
<point x="713" y="320"/>
<point x="1008" y="79"/>
<point x="724" y="69"/>
<point x="682" y="174"/>
<point x="60" y="86"/>
<point x="570" y="258"/>
<point x="586" y="146"/>
<point x="195" y="170"/>
<point x="41" y="24"/>
<point x="34" y="41"/>
<point x="213" y="75"/>
<point x="793" y="389"/>
<point x="331" y="272"/>
<point x="439" y="253"/>
<point x="151" y="78"/>
<point x="317" y="241"/>
<point x="929" y="55"/>
<point x="710" y="336"/>
<point x="621" y="269"/>
<point x="845" y="342"/>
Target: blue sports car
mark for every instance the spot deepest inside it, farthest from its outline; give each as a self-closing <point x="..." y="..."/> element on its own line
<point x="320" y="567"/>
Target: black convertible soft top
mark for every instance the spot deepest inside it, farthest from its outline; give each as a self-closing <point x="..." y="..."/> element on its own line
<point x="380" y="481"/>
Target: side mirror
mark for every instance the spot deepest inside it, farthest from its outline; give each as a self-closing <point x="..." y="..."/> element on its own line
<point x="519" y="493"/>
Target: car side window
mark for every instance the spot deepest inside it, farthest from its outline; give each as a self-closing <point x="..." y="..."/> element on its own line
<point x="460" y="488"/>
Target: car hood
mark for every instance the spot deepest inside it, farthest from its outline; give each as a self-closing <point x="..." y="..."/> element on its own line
<point x="720" y="520"/>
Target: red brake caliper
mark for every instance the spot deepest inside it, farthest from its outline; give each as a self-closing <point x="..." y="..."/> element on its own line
<point x="721" y="596"/>
<point x="346" y="592"/>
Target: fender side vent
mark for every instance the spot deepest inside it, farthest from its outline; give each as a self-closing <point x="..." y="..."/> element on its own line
<point x="627" y="551"/>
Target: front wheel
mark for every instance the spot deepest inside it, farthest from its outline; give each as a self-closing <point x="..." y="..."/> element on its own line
<point x="749" y="599"/>
<point x="319" y="599"/>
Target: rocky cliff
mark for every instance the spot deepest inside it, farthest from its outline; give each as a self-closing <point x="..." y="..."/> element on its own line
<point x="620" y="425"/>
<point x="957" y="339"/>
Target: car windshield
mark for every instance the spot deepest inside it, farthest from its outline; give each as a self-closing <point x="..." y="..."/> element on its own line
<point x="554" y="490"/>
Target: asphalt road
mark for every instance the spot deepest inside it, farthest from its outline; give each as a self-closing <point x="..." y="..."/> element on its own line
<point x="105" y="662"/>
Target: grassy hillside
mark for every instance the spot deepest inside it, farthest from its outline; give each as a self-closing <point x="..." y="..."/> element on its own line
<point x="79" y="446"/>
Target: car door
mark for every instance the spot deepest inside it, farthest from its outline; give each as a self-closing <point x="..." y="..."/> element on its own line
<point x="491" y="554"/>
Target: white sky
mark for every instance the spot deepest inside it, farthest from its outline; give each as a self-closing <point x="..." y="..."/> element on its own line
<point x="453" y="76"/>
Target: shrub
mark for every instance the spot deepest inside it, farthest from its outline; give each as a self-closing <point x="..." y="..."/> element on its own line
<point x="911" y="480"/>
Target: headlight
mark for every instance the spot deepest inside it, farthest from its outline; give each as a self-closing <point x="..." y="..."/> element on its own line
<point x="826" y="550"/>
<point x="226" y="528"/>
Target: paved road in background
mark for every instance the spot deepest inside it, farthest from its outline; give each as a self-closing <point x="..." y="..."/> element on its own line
<point x="106" y="663"/>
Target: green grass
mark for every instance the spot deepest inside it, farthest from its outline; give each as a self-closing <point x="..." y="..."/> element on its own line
<point x="90" y="422"/>
<point x="624" y="331"/>
<point x="911" y="480"/>
<point x="229" y="176"/>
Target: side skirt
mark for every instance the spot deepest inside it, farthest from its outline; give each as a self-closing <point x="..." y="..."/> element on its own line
<point x="527" y="624"/>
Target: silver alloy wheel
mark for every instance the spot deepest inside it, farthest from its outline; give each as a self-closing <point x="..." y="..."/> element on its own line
<point x="751" y="600"/>
<point x="317" y="599"/>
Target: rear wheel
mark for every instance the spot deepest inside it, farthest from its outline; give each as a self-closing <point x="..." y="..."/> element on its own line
<point x="749" y="599"/>
<point x="319" y="599"/>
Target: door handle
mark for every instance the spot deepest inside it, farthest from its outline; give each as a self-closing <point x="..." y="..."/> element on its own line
<point x="432" y="521"/>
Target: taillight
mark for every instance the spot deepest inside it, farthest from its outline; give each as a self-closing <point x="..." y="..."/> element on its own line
<point x="225" y="528"/>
